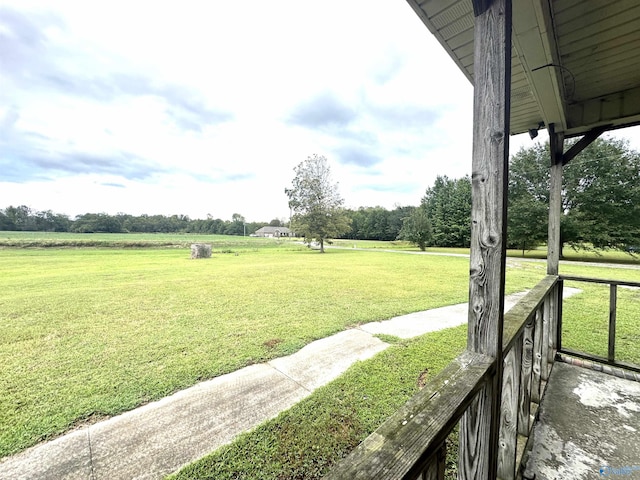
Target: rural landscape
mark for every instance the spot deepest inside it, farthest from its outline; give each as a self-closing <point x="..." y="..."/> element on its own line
<point x="102" y="314"/>
<point x="355" y="240"/>
<point x="97" y="324"/>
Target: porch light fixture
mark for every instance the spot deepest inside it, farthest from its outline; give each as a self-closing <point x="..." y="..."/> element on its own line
<point x="533" y="132"/>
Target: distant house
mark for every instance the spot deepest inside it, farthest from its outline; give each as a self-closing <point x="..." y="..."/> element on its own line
<point x="273" y="232"/>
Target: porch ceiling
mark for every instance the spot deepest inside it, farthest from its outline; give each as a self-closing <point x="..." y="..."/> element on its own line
<point x="575" y="63"/>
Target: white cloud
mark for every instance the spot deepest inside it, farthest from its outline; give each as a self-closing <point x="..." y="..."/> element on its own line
<point x="200" y="107"/>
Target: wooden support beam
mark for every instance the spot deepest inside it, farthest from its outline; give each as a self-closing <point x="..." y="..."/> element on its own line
<point x="479" y="426"/>
<point x="583" y="143"/>
<point x="554" y="245"/>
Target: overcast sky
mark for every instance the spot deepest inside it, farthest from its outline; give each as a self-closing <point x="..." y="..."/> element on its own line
<point x="205" y="107"/>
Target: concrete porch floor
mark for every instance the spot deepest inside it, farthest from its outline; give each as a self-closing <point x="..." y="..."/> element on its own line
<point x="588" y="427"/>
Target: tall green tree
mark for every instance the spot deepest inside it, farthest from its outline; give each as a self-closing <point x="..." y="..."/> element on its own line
<point x="448" y="207"/>
<point x="316" y="202"/>
<point x="528" y="208"/>
<point x="416" y="228"/>
<point x="600" y="196"/>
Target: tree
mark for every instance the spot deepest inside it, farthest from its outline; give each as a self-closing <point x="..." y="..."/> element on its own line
<point x="416" y="228"/>
<point x="237" y="225"/>
<point x="528" y="208"/>
<point x="448" y="207"/>
<point x="600" y="196"/>
<point x="316" y="203"/>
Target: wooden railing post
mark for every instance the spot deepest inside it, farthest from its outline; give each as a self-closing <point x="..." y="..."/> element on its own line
<point x="436" y="465"/>
<point x="511" y="388"/>
<point x="524" y="411"/>
<point x="613" y="298"/>
<point x="479" y="426"/>
<point x="546" y="341"/>
<point x="559" y="300"/>
<point x="554" y="241"/>
<point x="536" y="379"/>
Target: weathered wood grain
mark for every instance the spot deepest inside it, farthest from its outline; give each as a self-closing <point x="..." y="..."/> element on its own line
<point x="553" y="329"/>
<point x="536" y="378"/>
<point x="556" y="144"/>
<point x="491" y="111"/>
<point x="511" y="392"/>
<point x="524" y="410"/>
<point x="401" y="447"/>
<point x="515" y="319"/>
<point x="544" y="348"/>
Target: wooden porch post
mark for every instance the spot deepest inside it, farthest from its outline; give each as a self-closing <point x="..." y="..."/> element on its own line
<point x="479" y="426"/>
<point x="554" y="245"/>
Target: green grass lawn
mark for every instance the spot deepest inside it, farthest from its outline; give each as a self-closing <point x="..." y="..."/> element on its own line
<point x="132" y="240"/>
<point x="306" y="440"/>
<point x="586" y="316"/>
<point x="91" y="332"/>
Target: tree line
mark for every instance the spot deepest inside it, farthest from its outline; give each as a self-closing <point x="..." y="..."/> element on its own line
<point x="23" y="218"/>
<point x="600" y="202"/>
<point x="367" y="223"/>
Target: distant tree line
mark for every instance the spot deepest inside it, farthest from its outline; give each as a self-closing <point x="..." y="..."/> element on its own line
<point x="600" y="201"/>
<point x="23" y="218"/>
<point x="367" y="223"/>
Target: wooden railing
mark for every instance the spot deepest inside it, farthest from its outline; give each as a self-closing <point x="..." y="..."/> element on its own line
<point x="411" y="443"/>
<point x="613" y="302"/>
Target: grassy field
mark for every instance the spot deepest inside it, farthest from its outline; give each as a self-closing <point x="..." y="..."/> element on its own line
<point x="91" y="332"/>
<point x="131" y="240"/>
<point x="307" y="439"/>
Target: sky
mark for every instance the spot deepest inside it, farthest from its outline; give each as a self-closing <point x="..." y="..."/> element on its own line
<point x="204" y="107"/>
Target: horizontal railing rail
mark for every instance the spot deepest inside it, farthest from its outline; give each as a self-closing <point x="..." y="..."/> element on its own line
<point x="613" y="308"/>
<point x="405" y="443"/>
<point x="411" y="443"/>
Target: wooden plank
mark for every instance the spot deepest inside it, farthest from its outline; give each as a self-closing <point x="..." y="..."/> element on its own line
<point x="402" y="445"/>
<point x="436" y="465"/>
<point x="553" y="311"/>
<point x="544" y="348"/>
<point x="537" y="357"/>
<point x="490" y="166"/>
<point x="583" y="143"/>
<point x="613" y="294"/>
<point x="556" y="144"/>
<point x="516" y="318"/>
<point x="509" y="413"/>
<point x="559" y="315"/>
<point x="524" y="409"/>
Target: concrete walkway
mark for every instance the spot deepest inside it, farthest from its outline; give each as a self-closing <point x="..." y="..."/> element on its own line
<point x="161" y="437"/>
